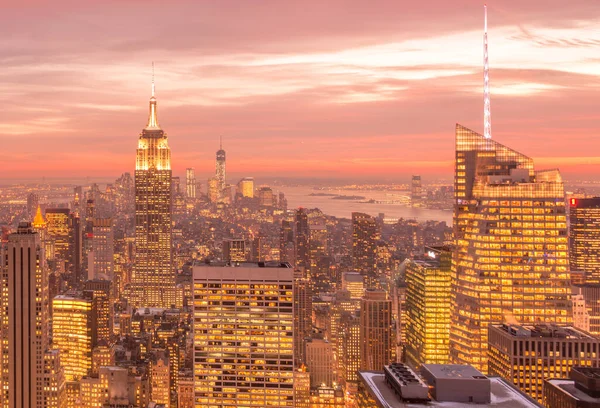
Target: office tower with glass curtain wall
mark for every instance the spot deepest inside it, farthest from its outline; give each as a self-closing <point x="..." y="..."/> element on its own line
<point x="510" y="259"/>
<point x="584" y="217"/>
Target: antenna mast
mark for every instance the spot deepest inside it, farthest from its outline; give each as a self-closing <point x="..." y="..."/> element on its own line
<point x="487" y="116"/>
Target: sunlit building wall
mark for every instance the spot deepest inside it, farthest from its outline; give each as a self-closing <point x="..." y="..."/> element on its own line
<point x="511" y="246"/>
<point x="428" y="287"/>
<point x="243" y="336"/>
<point x="153" y="277"/>
<point x="72" y="334"/>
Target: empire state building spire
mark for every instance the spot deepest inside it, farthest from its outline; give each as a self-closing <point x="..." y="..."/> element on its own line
<point x="487" y="115"/>
<point x="152" y="116"/>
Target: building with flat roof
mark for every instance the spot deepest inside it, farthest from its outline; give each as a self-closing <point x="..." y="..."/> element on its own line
<point x="526" y="355"/>
<point x="581" y="390"/>
<point x="243" y="334"/>
<point x="454" y="383"/>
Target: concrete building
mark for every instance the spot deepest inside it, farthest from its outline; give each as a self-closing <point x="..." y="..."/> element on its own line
<point x="375" y="330"/>
<point x="252" y="302"/>
<point x="245" y="187"/>
<point x="319" y="360"/>
<point x="526" y="355"/>
<point x="23" y="320"/>
<point x="234" y="250"/>
<point x="354" y="283"/>
<point x="101" y="257"/>
<point x="581" y="390"/>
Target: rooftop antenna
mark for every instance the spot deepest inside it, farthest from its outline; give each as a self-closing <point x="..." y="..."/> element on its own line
<point x="221" y="142"/>
<point x="487" y="116"/>
<point x="153" y="79"/>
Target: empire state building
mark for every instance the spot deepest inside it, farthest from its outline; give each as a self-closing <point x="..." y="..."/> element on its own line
<point x="153" y="278"/>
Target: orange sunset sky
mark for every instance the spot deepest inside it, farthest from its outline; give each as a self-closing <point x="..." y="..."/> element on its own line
<point x="331" y="89"/>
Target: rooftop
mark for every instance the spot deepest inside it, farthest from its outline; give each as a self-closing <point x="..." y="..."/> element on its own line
<point x="243" y="271"/>
<point x="569" y="388"/>
<point x="545" y="330"/>
<point x="453" y="371"/>
<point x="504" y="395"/>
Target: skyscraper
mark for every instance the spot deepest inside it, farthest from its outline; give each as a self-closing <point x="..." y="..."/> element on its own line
<point x="24" y="320"/>
<point x="365" y="234"/>
<point x="101" y="257"/>
<point x="585" y="237"/>
<point x="72" y="334"/>
<point x="220" y="173"/>
<point x="190" y="182"/>
<point x="416" y="193"/>
<point x="510" y="258"/>
<point x="243" y="335"/>
<point x="375" y="330"/>
<point x="302" y="240"/>
<point x="153" y="277"/>
<point x="428" y="288"/>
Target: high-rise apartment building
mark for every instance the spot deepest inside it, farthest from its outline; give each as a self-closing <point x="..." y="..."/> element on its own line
<point x="349" y="349"/>
<point x="510" y="257"/>
<point x="72" y="334"/>
<point x="243" y="335"/>
<point x="23" y="320"/>
<point x="153" y="277"/>
<point x="190" y="182"/>
<point x="584" y="217"/>
<point x="365" y="234"/>
<point x="57" y="221"/>
<point x="428" y="287"/>
<point x="265" y="196"/>
<point x="375" y="330"/>
<point x="526" y="355"/>
<point x="101" y="257"/>
<point x="287" y="252"/>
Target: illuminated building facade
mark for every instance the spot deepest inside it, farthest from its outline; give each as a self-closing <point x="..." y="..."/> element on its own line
<point x="526" y="355"/>
<point x="327" y="397"/>
<point x="354" y="283"/>
<point x="245" y="187"/>
<point x="213" y="190"/>
<point x="584" y="217"/>
<point x="375" y="330"/>
<point x="510" y="257"/>
<point x="428" y="287"/>
<point x="365" y="234"/>
<point x="318" y="257"/>
<point x="190" y="182"/>
<point x="243" y="335"/>
<point x="349" y="350"/>
<point x="55" y="392"/>
<point x="23" y="320"/>
<point x="57" y="221"/>
<point x="159" y="381"/>
<point x="100" y="293"/>
<point x="72" y="334"/>
<point x="153" y="277"/>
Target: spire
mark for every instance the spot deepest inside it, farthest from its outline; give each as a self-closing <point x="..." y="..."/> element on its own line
<point x="487" y="116"/>
<point x="152" y="116"/>
<point x="221" y="142"/>
<point x="38" y="220"/>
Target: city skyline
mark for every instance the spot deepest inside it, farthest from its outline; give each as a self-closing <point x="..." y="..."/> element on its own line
<point x="300" y="94"/>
